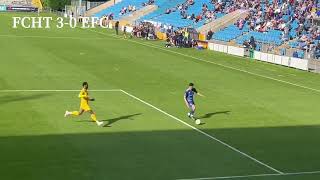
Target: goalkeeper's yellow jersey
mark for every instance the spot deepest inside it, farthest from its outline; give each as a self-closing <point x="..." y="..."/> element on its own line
<point x="84" y="95"/>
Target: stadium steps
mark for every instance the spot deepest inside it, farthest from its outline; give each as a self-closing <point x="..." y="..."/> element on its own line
<point x="131" y="18"/>
<point x="289" y="50"/>
<point x="232" y="43"/>
<point x="277" y="49"/>
<point x="223" y="22"/>
<point x="287" y="43"/>
<point x="101" y="7"/>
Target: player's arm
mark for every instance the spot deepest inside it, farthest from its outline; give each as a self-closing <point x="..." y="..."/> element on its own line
<point x="185" y="99"/>
<point x="85" y="96"/>
<point x="194" y="90"/>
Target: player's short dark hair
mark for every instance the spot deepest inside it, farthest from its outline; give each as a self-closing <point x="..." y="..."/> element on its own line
<point x="191" y="84"/>
<point x="84" y="83"/>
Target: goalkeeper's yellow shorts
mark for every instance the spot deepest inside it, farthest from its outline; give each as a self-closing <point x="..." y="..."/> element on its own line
<point x="85" y="107"/>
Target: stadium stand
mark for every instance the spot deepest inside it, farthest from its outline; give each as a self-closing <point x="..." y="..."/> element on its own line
<point x="229" y="33"/>
<point x="130" y="19"/>
<point x="123" y="8"/>
<point x="275" y="22"/>
<point x="157" y="15"/>
<point x="279" y="23"/>
<point x="182" y="13"/>
<point x="176" y="13"/>
<point x="101" y="7"/>
<point x="20" y="3"/>
<point x="220" y="23"/>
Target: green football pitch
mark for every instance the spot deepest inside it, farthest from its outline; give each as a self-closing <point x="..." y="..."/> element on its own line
<point x="259" y="121"/>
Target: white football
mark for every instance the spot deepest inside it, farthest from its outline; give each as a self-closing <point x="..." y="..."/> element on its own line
<point x="198" y="121"/>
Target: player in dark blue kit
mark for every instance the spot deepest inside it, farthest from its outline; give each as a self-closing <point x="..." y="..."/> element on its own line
<point x="189" y="99"/>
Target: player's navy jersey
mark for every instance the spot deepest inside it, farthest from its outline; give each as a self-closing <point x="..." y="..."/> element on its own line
<point x="189" y="94"/>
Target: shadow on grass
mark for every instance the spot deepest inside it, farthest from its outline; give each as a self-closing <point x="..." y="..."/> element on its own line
<point x="114" y="120"/>
<point x="17" y="98"/>
<point x="208" y="115"/>
<point x="160" y="155"/>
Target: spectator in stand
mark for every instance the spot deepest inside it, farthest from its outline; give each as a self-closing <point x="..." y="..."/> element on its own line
<point x="194" y="43"/>
<point x="144" y="30"/>
<point x="123" y="11"/>
<point x="209" y="35"/>
<point x="125" y="32"/>
<point x="168" y="42"/>
<point x="190" y="2"/>
<point x="252" y="42"/>
<point x="116" y="27"/>
<point x="192" y="17"/>
<point x="150" y="2"/>
<point x="317" y="51"/>
<point x="198" y="18"/>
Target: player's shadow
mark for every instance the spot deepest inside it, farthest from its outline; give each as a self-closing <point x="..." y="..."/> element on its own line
<point x="208" y="115"/>
<point x="114" y="120"/>
<point x="18" y="98"/>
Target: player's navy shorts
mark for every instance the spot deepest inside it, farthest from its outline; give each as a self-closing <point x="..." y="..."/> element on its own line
<point x="191" y="103"/>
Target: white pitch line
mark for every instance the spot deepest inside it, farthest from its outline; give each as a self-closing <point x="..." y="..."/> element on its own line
<point x="204" y="133"/>
<point x="58" y="90"/>
<point x="211" y="62"/>
<point x="253" y="175"/>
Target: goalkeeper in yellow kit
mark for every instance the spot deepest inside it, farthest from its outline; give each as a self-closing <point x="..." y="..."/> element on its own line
<point x="84" y="105"/>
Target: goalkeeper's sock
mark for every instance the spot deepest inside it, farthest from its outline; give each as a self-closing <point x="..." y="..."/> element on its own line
<point x="75" y="113"/>
<point x="93" y="117"/>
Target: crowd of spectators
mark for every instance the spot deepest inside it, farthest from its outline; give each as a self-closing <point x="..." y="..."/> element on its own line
<point x="125" y="10"/>
<point x="108" y="16"/>
<point x="294" y="18"/>
<point x="144" y="30"/>
<point x="150" y="2"/>
<point x="180" y="38"/>
<point x="132" y="8"/>
<point x="206" y="14"/>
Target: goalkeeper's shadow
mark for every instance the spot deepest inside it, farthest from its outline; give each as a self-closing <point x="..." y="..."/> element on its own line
<point x="109" y="122"/>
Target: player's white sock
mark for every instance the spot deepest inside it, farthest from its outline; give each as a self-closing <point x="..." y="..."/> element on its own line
<point x="66" y="113"/>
